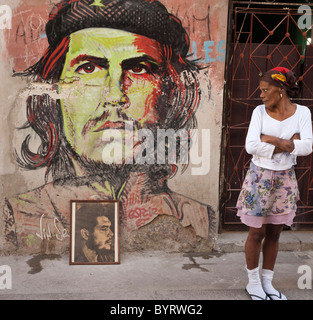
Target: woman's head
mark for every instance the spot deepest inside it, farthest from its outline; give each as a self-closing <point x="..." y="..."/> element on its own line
<point x="283" y="79"/>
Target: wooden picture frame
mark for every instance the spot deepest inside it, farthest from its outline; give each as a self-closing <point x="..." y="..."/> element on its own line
<point x="94" y="232"/>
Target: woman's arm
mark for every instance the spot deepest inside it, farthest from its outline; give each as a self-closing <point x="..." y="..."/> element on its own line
<point x="281" y="145"/>
<point x="296" y="145"/>
<point x="253" y="144"/>
<point x="303" y="147"/>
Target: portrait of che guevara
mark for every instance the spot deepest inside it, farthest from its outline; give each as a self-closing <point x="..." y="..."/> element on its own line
<point x="119" y="76"/>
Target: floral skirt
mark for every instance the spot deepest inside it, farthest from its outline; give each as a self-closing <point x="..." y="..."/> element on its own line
<point x="268" y="197"/>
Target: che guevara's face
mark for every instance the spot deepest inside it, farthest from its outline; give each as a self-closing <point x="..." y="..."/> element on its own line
<point x="102" y="236"/>
<point x="109" y="77"/>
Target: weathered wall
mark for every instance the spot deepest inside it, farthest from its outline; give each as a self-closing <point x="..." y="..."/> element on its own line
<point x="147" y="222"/>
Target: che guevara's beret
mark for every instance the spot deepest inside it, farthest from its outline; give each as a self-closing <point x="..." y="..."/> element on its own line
<point x="149" y="18"/>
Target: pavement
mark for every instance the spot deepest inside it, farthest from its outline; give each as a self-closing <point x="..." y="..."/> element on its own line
<point x="156" y="275"/>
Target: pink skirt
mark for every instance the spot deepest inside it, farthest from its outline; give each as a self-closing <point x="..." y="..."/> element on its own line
<point x="268" y="197"/>
<point x="257" y="222"/>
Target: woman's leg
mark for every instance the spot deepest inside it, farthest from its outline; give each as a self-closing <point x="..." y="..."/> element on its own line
<point x="270" y="245"/>
<point x="253" y="246"/>
<point x="252" y="251"/>
<point x="270" y="250"/>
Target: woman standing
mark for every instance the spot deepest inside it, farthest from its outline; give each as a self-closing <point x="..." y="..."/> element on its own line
<point x="279" y="131"/>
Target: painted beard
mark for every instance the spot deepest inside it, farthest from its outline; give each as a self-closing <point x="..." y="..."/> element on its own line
<point x="116" y="174"/>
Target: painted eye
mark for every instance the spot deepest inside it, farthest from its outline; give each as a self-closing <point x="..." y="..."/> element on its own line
<point x="138" y="70"/>
<point x="88" y="68"/>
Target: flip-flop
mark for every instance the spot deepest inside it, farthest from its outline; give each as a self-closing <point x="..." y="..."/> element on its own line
<point x="251" y="295"/>
<point x="280" y="296"/>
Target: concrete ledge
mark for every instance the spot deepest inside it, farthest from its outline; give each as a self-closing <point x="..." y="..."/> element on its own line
<point x="228" y="242"/>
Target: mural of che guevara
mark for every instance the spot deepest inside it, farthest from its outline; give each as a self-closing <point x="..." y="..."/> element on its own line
<point x="113" y="65"/>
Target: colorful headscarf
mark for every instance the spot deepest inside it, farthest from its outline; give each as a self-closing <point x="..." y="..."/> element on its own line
<point x="282" y="78"/>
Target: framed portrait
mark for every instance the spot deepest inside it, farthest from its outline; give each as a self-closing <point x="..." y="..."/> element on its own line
<point x="94" y="235"/>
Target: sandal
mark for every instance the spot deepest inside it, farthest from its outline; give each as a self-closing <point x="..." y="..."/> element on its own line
<point x="279" y="296"/>
<point x="253" y="296"/>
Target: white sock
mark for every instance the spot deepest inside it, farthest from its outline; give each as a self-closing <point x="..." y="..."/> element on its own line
<point x="254" y="286"/>
<point x="267" y="277"/>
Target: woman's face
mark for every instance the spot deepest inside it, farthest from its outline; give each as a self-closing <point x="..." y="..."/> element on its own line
<point x="270" y="95"/>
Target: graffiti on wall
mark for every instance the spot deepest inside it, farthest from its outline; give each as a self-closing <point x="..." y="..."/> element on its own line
<point x="113" y="99"/>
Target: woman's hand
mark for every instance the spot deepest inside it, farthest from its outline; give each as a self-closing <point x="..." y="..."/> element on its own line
<point x="281" y="145"/>
<point x="296" y="136"/>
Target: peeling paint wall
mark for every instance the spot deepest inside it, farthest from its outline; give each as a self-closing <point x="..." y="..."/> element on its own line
<point x="158" y="212"/>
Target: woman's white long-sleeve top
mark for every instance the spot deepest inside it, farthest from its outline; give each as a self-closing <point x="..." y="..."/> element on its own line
<point x="262" y="123"/>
